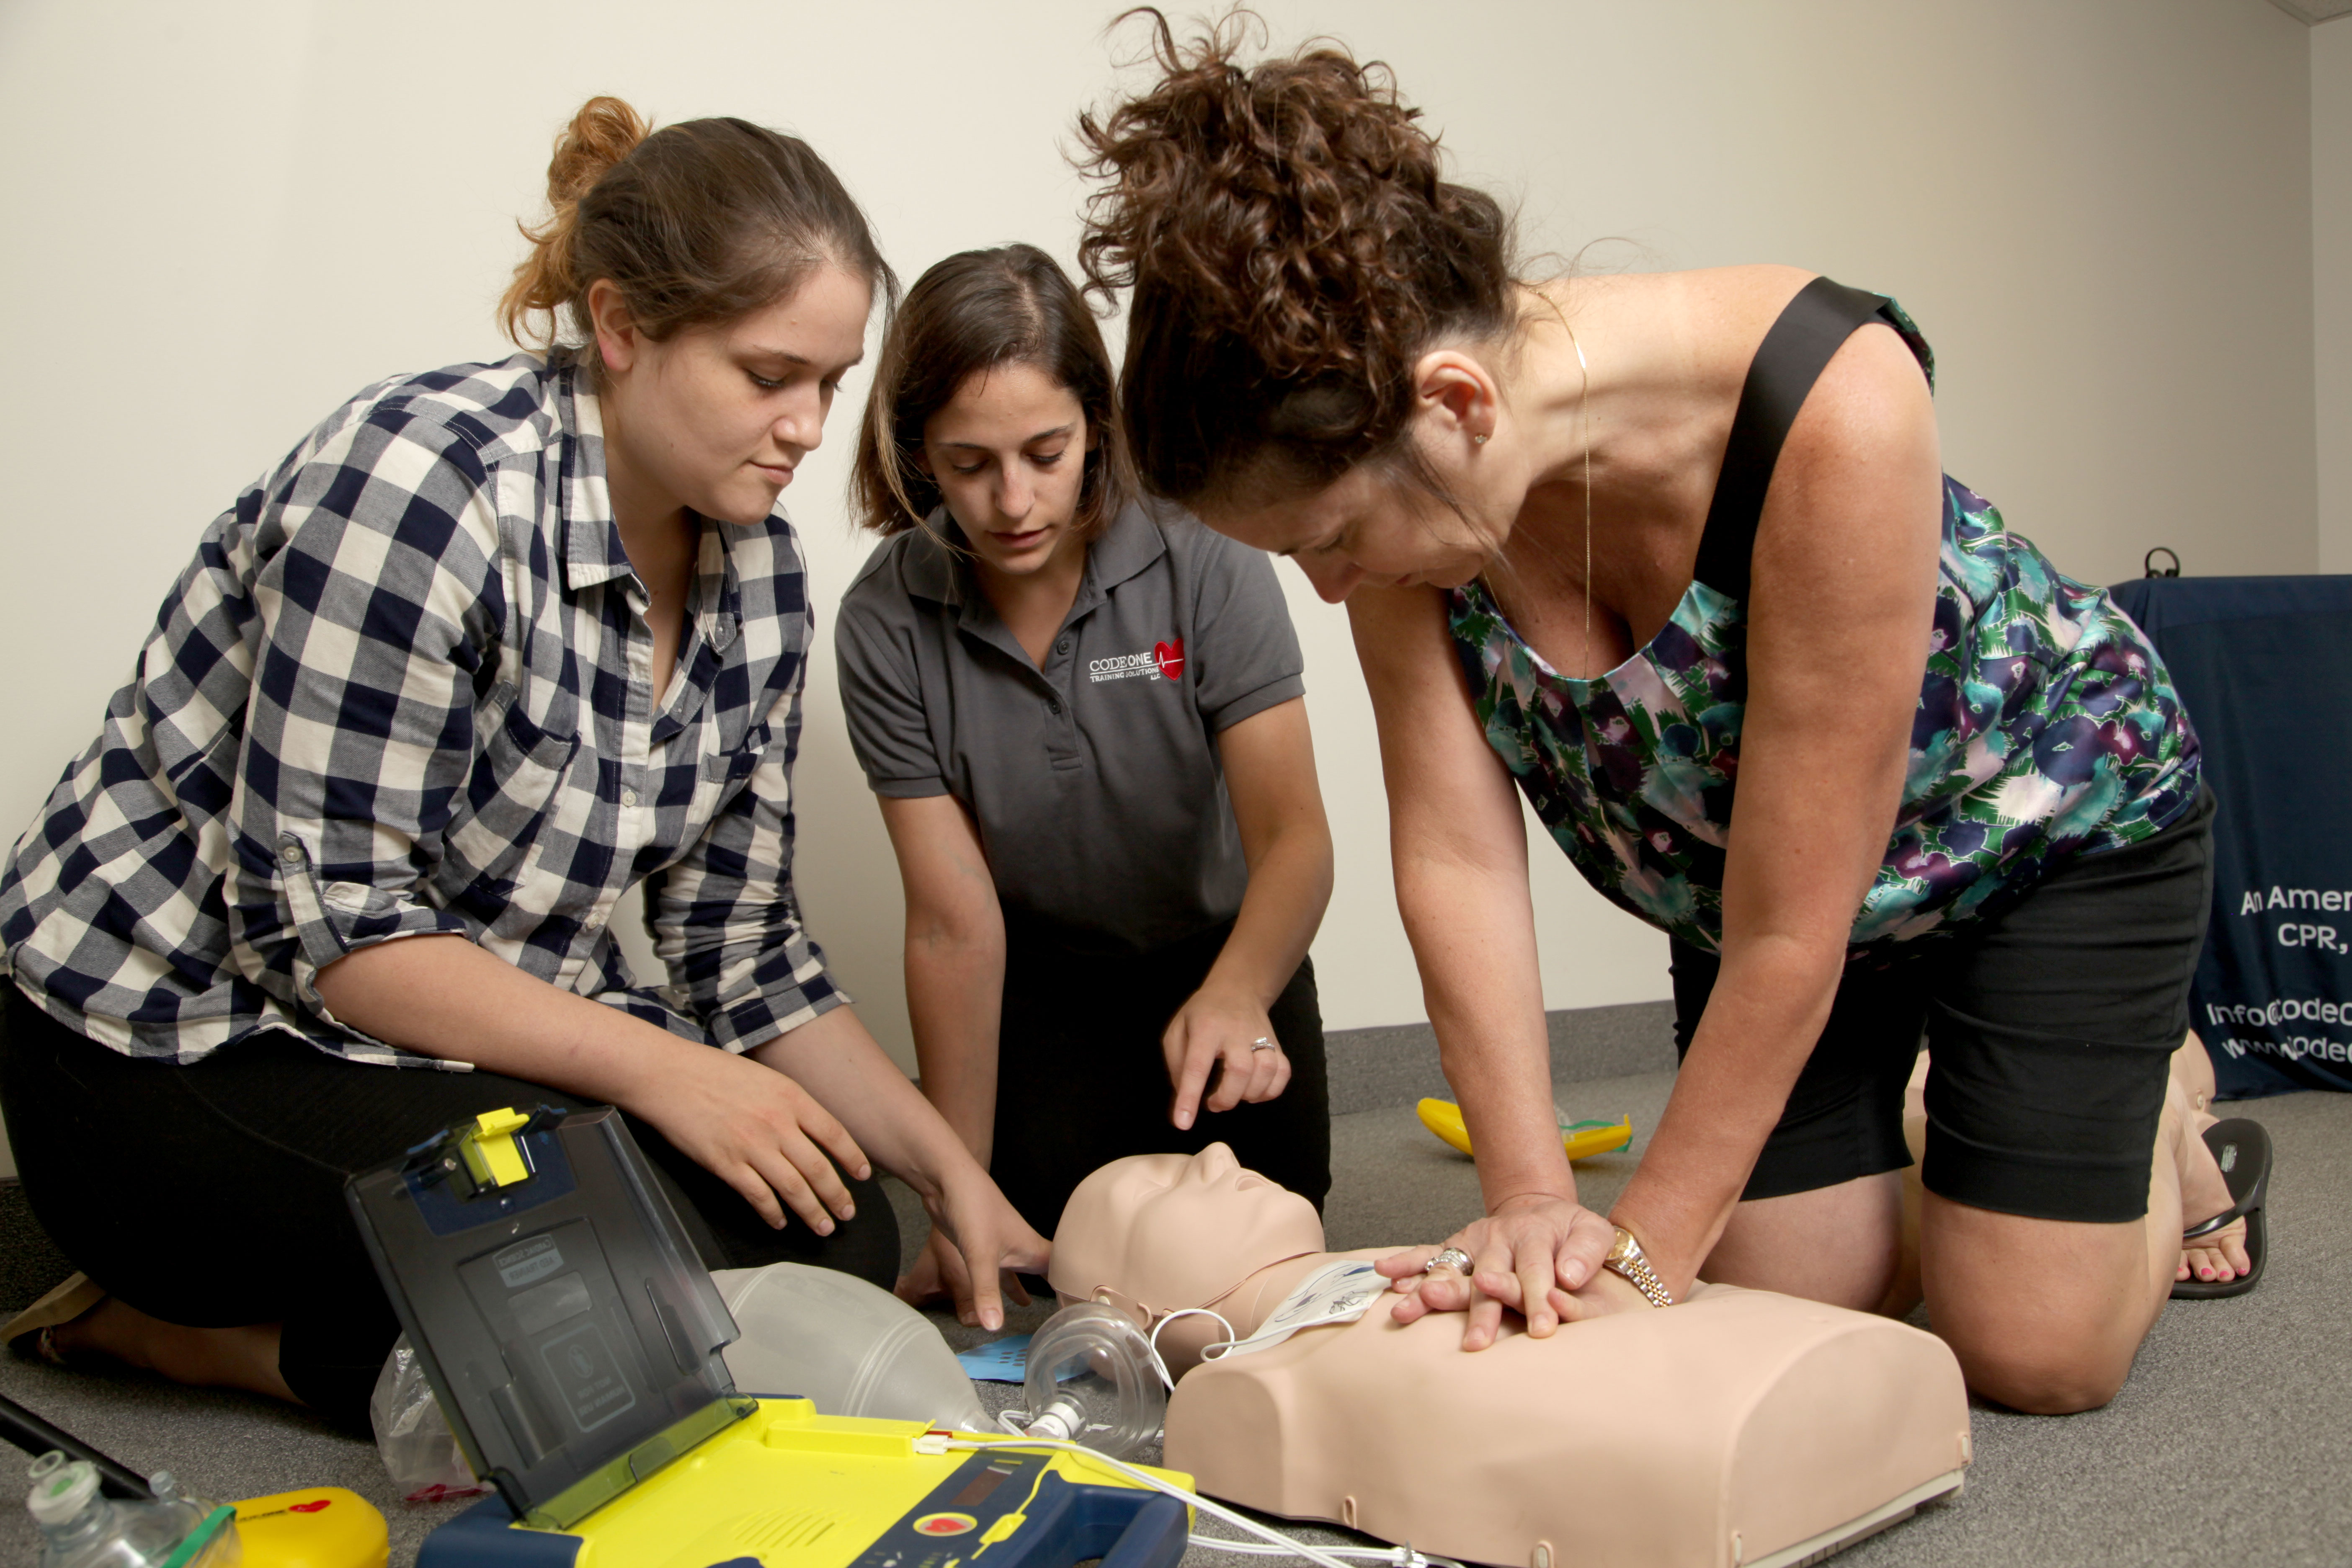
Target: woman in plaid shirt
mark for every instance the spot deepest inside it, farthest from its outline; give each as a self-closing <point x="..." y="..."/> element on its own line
<point x="493" y="644"/>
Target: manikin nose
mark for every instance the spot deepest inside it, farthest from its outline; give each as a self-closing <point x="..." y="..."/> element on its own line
<point x="1213" y="1164"/>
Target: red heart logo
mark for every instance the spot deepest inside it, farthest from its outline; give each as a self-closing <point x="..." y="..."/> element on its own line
<point x="1169" y="658"/>
<point x="311" y="1507"/>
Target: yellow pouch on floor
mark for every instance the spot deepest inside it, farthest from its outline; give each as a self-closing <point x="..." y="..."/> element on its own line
<point x="1583" y="1140"/>
<point x="317" y="1527"/>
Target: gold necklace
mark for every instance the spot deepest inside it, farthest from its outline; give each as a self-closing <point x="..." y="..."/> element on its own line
<point x="1584" y="429"/>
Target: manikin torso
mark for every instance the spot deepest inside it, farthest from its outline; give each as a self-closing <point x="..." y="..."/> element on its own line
<point x="1725" y="1430"/>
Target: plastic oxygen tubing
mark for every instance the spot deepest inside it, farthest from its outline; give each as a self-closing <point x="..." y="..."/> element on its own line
<point x="1330" y="1557"/>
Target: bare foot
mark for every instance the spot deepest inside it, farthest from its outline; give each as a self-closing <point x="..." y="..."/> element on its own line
<point x="2220" y="1256"/>
<point x="244" y="1357"/>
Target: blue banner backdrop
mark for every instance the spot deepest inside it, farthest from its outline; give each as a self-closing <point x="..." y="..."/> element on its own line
<point x="2265" y="665"/>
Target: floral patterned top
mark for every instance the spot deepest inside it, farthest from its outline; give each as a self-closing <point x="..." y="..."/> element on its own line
<point x="2046" y="727"/>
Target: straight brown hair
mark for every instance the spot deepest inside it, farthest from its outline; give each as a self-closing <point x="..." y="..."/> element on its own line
<point x="975" y="310"/>
<point x="696" y="224"/>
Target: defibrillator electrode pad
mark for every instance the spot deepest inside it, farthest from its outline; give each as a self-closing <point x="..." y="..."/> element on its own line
<point x="555" y="1304"/>
<point x="1338" y="1293"/>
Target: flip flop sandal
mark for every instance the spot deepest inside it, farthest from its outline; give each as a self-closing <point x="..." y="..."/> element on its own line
<point x="30" y="1332"/>
<point x="2243" y="1151"/>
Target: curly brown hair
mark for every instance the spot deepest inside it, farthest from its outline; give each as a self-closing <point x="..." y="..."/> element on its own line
<point x="1292" y="250"/>
<point x="695" y="224"/>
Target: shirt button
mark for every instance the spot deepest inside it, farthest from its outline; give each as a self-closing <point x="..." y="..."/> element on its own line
<point x="1055" y="709"/>
<point x="595" y="920"/>
<point x="291" y="854"/>
<point x="1062" y="646"/>
<point x="628" y="798"/>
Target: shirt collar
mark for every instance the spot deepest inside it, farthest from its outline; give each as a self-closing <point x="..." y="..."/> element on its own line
<point x="935" y="567"/>
<point x="592" y="539"/>
<point x="1126" y="548"/>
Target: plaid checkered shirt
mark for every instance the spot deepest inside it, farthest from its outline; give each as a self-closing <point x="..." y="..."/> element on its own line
<point x="405" y="687"/>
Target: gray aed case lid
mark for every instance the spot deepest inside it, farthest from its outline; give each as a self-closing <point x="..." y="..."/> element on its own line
<point x="560" y="1315"/>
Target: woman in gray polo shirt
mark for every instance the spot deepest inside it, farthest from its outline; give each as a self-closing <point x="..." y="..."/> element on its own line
<point x="1084" y="719"/>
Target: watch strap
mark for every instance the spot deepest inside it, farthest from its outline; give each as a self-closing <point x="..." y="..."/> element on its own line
<point x="1625" y="1261"/>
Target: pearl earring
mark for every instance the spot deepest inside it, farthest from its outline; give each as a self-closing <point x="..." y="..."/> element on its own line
<point x="1478" y="440"/>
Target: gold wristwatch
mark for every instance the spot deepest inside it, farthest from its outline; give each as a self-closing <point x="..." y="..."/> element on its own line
<point x="1626" y="1261"/>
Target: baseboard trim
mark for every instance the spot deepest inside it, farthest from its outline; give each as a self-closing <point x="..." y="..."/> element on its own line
<point x="1397" y="1064"/>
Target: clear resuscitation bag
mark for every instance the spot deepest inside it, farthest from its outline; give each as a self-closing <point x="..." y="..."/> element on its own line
<point x="81" y="1527"/>
<point x="850" y="1346"/>
<point x="416" y="1442"/>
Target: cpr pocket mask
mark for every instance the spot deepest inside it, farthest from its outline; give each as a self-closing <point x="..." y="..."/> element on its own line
<point x="1094" y="1377"/>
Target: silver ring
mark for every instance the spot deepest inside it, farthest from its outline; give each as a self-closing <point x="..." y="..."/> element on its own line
<point x="1263" y="1044"/>
<point x="1452" y="1258"/>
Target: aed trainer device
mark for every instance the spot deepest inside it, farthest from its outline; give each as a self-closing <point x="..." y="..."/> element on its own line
<point x="573" y="1341"/>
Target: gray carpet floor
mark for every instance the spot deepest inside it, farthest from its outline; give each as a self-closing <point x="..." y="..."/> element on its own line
<point x="2232" y="1443"/>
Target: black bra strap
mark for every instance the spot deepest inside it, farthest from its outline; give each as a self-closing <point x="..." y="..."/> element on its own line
<point x="1791" y="357"/>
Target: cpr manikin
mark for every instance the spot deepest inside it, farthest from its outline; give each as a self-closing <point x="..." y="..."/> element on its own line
<point x="1727" y="1430"/>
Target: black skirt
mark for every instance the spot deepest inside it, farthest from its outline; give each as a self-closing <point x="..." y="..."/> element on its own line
<point x="1081" y="1080"/>
<point x="212" y="1196"/>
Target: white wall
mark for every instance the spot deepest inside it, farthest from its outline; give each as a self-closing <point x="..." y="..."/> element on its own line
<point x="221" y="221"/>
<point x="2331" y="278"/>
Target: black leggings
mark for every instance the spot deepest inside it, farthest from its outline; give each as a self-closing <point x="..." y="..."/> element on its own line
<point x="2051" y="1026"/>
<point x="1080" y="1080"/>
<point x="212" y="1196"/>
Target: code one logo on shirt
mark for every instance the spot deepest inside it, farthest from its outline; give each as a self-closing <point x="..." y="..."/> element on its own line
<point x="1165" y="661"/>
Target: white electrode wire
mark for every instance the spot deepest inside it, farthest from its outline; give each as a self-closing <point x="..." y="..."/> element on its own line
<point x="1144" y="1478"/>
<point x="1152" y="1342"/>
<point x="1401" y="1556"/>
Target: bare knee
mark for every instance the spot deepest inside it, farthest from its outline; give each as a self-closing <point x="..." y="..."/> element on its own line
<point x="2041" y="1380"/>
<point x="1840" y="1243"/>
<point x="1862" y="1283"/>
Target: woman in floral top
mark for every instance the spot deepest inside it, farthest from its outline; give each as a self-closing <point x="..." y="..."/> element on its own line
<point x="1674" y="554"/>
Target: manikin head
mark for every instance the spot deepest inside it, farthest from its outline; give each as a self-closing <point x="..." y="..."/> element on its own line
<point x="1163" y="1231"/>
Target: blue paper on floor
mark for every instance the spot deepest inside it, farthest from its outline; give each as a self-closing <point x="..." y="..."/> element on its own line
<point x="999" y="1361"/>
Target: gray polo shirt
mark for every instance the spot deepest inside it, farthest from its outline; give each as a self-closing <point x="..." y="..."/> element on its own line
<point x="1096" y="781"/>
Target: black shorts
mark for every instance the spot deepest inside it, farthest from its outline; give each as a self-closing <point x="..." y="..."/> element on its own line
<point x="2050" y="1028"/>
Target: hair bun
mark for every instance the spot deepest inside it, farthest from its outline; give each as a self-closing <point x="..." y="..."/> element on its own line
<point x="698" y="222"/>
<point x="604" y="131"/>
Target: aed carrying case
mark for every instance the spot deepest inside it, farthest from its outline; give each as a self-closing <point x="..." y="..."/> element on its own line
<point x="573" y="1341"/>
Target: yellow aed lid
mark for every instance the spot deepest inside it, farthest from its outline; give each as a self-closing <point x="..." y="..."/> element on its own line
<point x="317" y="1527"/>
